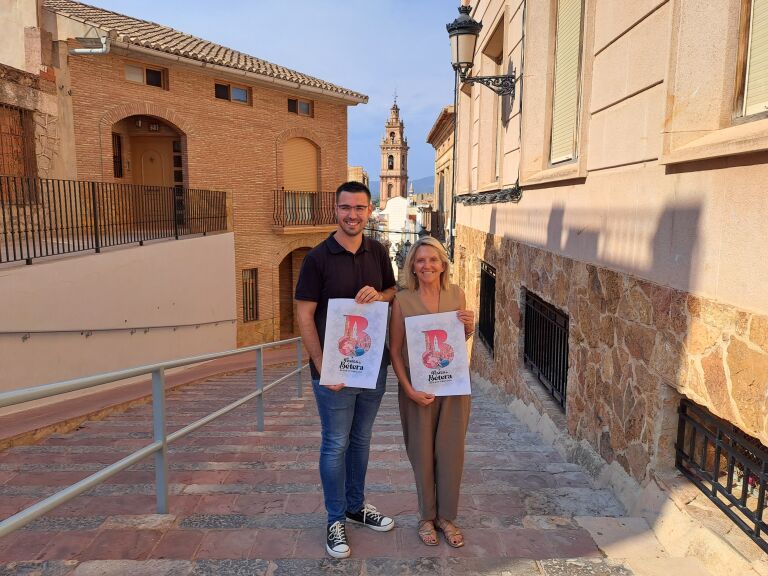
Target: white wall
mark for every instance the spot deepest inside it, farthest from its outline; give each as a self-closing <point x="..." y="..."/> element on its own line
<point x="125" y="307"/>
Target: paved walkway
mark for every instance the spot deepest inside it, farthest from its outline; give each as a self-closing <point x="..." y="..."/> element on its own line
<point x="248" y="502"/>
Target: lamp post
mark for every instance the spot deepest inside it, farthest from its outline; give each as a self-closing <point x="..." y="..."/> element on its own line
<point x="463" y="33"/>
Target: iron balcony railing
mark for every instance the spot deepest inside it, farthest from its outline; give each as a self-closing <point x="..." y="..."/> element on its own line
<point x="297" y="208"/>
<point x="42" y="217"/>
<point x="546" y="345"/>
<point x="728" y="466"/>
<point x="161" y="439"/>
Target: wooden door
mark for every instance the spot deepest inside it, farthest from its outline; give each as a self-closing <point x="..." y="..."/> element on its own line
<point x="152" y="159"/>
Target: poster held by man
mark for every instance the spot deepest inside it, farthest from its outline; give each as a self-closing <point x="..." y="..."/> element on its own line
<point x="354" y="342"/>
<point x="437" y="354"/>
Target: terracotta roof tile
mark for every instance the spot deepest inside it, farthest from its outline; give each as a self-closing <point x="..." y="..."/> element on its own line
<point x="164" y="39"/>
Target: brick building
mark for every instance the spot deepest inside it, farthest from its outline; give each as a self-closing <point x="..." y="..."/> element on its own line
<point x="161" y="107"/>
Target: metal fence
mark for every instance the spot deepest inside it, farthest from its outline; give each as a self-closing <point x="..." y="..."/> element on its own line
<point x="42" y="217"/>
<point x="159" y="446"/>
<point x="297" y="208"/>
<point x="546" y="345"/>
<point x="729" y="467"/>
<point x="487" y="315"/>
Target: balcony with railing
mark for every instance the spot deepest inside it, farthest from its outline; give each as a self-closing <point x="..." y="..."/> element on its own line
<point x="297" y="212"/>
<point x="42" y="217"/>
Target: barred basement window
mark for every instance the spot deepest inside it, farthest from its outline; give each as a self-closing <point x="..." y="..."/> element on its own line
<point x="727" y="465"/>
<point x="250" y="295"/>
<point x="546" y="345"/>
<point x="487" y="318"/>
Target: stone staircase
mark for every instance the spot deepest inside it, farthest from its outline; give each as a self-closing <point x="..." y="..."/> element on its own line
<point x="249" y="502"/>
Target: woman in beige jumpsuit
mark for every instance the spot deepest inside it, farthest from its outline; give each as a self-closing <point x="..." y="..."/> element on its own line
<point x="434" y="427"/>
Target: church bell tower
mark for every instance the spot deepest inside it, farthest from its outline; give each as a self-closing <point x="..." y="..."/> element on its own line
<point x="394" y="158"/>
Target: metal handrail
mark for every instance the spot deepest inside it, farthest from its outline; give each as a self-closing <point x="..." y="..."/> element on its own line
<point x="159" y="446"/>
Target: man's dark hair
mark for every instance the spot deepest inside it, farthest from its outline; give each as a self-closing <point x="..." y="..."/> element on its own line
<point x="354" y="187"/>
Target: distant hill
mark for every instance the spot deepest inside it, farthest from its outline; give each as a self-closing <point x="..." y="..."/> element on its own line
<point x="373" y="185"/>
<point x="424" y="185"/>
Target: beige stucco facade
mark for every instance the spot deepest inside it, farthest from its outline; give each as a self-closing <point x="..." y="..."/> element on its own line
<point x="357" y="174"/>
<point x="441" y="137"/>
<point x="650" y="240"/>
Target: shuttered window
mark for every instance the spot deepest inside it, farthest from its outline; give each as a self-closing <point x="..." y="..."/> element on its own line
<point x="756" y="82"/>
<point x="300" y="167"/>
<point x="565" y="101"/>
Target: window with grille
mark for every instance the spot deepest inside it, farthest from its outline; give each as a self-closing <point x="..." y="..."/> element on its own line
<point x="546" y="345"/>
<point x="566" y="81"/>
<point x="487" y="315"/>
<point x="17" y="152"/>
<point x="117" y="155"/>
<point x="250" y="295"/>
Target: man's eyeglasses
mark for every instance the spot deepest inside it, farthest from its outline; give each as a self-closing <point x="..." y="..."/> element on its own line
<point x="346" y="208"/>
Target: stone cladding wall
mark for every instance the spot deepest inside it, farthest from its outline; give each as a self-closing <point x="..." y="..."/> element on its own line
<point x="635" y="348"/>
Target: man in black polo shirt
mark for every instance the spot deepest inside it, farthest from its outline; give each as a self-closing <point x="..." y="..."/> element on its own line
<point x="345" y="265"/>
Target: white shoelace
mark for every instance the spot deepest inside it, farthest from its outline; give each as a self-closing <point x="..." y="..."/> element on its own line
<point x="338" y="535"/>
<point x="371" y="511"/>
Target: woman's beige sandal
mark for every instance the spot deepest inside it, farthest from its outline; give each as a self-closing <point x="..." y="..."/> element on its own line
<point x="427" y="533"/>
<point x="453" y="536"/>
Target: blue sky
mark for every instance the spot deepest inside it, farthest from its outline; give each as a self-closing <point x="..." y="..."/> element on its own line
<point x="371" y="46"/>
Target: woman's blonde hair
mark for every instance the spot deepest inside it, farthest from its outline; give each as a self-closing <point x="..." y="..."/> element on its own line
<point x="411" y="281"/>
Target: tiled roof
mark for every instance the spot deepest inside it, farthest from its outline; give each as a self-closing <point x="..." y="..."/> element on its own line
<point x="164" y="39"/>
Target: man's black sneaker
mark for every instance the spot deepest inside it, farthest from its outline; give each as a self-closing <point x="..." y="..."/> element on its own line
<point x="336" y="541"/>
<point x="372" y="518"/>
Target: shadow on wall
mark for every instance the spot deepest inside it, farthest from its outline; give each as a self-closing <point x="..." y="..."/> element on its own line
<point x="636" y="347"/>
<point x="627" y="355"/>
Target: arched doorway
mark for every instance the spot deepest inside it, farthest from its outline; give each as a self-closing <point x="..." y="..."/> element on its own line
<point x="150" y="152"/>
<point x="289" y="275"/>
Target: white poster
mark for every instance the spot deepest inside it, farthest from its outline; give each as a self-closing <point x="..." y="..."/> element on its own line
<point x="437" y="353"/>
<point x="354" y="343"/>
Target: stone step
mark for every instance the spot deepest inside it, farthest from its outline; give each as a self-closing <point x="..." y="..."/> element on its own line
<point x="245" y="502"/>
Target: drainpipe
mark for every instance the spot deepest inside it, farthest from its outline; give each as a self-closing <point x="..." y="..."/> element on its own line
<point x="103" y="49"/>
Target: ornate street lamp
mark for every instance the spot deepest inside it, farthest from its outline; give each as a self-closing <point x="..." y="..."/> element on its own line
<point x="463" y="33"/>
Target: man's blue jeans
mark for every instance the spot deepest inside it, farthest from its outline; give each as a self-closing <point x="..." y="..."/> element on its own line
<point x="347" y="419"/>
